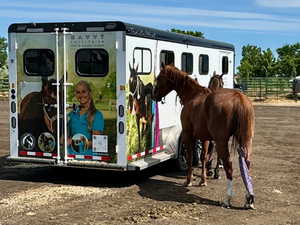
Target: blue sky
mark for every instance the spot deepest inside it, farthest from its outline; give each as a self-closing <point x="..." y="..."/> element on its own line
<point x="264" y="23"/>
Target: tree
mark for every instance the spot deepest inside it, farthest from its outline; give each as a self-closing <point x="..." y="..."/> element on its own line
<point x="250" y="62"/>
<point x="288" y="64"/>
<point x="268" y="63"/>
<point x="4" y="72"/>
<point x="188" y="32"/>
<point x="256" y="63"/>
<point x="3" y="52"/>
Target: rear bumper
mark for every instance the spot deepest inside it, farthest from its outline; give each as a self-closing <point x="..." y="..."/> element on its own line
<point x="70" y="163"/>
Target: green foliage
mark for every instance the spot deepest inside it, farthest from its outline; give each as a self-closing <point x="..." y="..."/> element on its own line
<point x="256" y="63"/>
<point x="188" y="32"/>
<point x="3" y="52"/>
<point x="288" y="64"/>
<point x="3" y="72"/>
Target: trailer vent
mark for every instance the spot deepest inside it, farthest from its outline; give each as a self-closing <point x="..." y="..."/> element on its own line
<point x="35" y="30"/>
<point x="94" y="29"/>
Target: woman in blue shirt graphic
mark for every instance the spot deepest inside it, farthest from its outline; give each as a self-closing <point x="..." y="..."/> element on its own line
<point x="84" y="121"/>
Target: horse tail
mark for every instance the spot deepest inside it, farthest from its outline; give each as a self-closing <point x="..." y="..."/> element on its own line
<point x="244" y="129"/>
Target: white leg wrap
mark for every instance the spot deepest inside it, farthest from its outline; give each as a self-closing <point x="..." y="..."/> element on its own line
<point x="229" y="188"/>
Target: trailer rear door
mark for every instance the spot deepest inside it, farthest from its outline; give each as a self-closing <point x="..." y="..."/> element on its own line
<point x="66" y="95"/>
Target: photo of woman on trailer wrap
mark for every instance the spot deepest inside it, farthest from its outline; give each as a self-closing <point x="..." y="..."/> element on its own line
<point x="84" y="120"/>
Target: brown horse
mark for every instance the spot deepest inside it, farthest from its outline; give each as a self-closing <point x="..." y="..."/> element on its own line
<point x="208" y="115"/>
<point x="215" y="82"/>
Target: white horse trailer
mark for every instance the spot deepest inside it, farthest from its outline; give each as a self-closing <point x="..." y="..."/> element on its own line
<point x="80" y="93"/>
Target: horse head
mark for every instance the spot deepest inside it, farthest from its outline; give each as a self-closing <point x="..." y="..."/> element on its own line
<point x="216" y="81"/>
<point x="133" y="79"/>
<point x="163" y="83"/>
<point x="49" y="91"/>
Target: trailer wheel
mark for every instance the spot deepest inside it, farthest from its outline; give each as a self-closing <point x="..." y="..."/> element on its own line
<point x="181" y="162"/>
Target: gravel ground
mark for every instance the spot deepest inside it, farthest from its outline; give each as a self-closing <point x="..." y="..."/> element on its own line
<point x="31" y="194"/>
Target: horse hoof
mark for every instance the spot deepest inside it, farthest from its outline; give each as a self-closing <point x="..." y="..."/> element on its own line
<point x="249" y="206"/>
<point x="210" y="173"/>
<point x="227" y="202"/>
<point x="226" y="205"/>
<point x="216" y="176"/>
<point x="249" y="202"/>
<point x="203" y="184"/>
<point x="187" y="184"/>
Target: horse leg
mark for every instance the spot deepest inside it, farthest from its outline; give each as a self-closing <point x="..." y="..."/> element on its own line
<point x="217" y="169"/>
<point x="190" y="144"/>
<point x="210" y="159"/>
<point x="223" y="152"/>
<point x="244" y="162"/>
<point x="205" y="145"/>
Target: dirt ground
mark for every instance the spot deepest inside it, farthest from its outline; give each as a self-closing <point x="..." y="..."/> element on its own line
<point x="44" y="195"/>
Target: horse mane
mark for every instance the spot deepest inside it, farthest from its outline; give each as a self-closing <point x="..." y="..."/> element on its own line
<point x="184" y="83"/>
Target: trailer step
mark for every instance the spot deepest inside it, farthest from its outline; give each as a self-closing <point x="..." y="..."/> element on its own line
<point x="150" y="161"/>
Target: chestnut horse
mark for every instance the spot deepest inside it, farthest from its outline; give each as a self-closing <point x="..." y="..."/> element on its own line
<point x="215" y="82"/>
<point x="208" y="115"/>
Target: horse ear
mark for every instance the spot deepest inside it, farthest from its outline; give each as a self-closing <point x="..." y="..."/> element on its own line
<point x="214" y="73"/>
<point x="221" y="76"/>
<point x="137" y="67"/>
<point x="162" y="66"/>
<point x="130" y="66"/>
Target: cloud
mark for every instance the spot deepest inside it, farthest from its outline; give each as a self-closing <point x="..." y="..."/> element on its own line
<point x="140" y="9"/>
<point x="154" y="16"/>
<point x="279" y="3"/>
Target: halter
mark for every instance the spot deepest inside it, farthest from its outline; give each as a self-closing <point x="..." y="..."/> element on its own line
<point x="137" y="89"/>
<point x="51" y="119"/>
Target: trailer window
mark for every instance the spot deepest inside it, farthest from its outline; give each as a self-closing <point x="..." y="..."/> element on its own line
<point x="224" y="65"/>
<point x="92" y="62"/>
<point x="203" y="64"/>
<point x="167" y="57"/>
<point x="143" y="58"/>
<point x="39" y="62"/>
<point x="187" y="62"/>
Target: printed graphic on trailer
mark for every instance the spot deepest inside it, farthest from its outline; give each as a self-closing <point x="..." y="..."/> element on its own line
<point x="143" y="132"/>
<point x="91" y="98"/>
<point x="37" y="112"/>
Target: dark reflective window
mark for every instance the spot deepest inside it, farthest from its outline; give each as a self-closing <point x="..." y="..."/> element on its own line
<point x="187" y="62"/>
<point x="224" y="65"/>
<point x="203" y="64"/>
<point x="167" y="57"/>
<point x="39" y="62"/>
<point x="92" y="62"/>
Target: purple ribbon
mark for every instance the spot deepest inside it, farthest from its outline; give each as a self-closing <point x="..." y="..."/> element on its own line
<point x="245" y="172"/>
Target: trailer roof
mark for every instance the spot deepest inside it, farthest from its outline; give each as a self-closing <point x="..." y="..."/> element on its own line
<point x="130" y="29"/>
